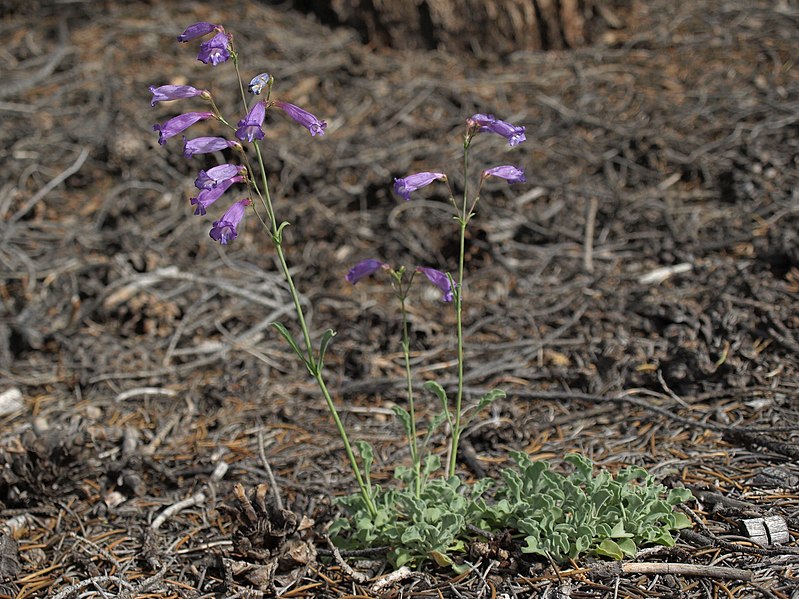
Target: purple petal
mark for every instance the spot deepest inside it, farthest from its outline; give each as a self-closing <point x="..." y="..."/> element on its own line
<point x="216" y="50"/>
<point x="179" y="124"/>
<point x="206" y="145"/>
<point x="224" y="230"/>
<point x="173" y="92"/>
<point x="481" y="120"/>
<point x="488" y="122"/>
<point x="249" y="127"/>
<point x="258" y="83"/>
<point x="364" y="269"/>
<point x="514" y="135"/>
<point x="507" y="172"/>
<point x="403" y="187"/>
<point x="208" y="196"/>
<point x="303" y="117"/>
<point x="216" y="175"/>
<point x="440" y="280"/>
<point x="197" y="30"/>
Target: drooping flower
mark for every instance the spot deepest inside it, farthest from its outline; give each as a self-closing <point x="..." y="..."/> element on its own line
<point x="364" y="269"/>
<point x="507" y="172"/>
<point x="215" y="176"/>
<point x="224" y="230"/>
<point x="406" y="185"/>
<point x="174" y="92"/>
<point x="250" y="125"/>
<point x="440" y="280"/>
<point x="206" y="197"/>
<point x="198" y="30"/>
<point x="487" y="122"/>
<point x="258" y="83"/>
<point x="216" y="50"/>
<point x="303" y="117"/>
<point x="206" y="145"/>
<point x="179" y="124"/>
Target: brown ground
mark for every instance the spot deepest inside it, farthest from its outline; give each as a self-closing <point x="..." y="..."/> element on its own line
<point x="143" y="354"/>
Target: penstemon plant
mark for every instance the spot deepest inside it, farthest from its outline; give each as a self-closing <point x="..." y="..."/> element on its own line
<point x="213" y="183"/>
<point x="428" y="516"/>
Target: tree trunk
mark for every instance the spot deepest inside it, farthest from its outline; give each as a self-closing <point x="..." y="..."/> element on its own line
<point x="479" y="27"/>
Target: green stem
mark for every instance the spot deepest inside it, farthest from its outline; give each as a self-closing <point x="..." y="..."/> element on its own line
<point x="406" y="350"/>
<point x="463" y="220"/>
<point x="356" y="470"/>
<point x="314" y="368"/>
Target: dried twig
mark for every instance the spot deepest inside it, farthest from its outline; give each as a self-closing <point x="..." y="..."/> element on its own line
<point x="196" y="499"/>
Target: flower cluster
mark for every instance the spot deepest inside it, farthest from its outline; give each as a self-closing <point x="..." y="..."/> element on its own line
<point x="405" y="185"/>
<point x="436" y="277"/>
<point x="215" y="181"/>
<point x="213" y="51"/>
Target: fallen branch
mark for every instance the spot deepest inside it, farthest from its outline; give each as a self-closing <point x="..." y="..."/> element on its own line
<point x="698" y="570"/>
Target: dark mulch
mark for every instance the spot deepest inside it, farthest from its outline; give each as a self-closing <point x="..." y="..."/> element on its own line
<point x="148" y="374"/>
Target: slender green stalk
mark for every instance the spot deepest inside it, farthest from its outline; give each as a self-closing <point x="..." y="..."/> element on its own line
<point x="406" y="350"/>
<point x="463" y="220"/>
<point x="314" y="367"/>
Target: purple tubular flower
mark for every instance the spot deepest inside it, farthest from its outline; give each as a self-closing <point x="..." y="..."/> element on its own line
<point x="224" y="230"/>
<point x="514" y="135"/>
<point x="206" y="197"/>
<point x="303" y="117"/>
<point x="197" y="30"/>
<point x="179" y="124"/>
<point x="217" y="175"/>
<point x="507" y="172"/>
<point x="174" y="92"/>
<point x="258" y="83"/>
<point x="405" y="186"/>
<point x="206" y="145"/>
<point x="364" y="269"/>
<point x="487" y="122"/>
<point x="250" y="125"/>
<point x="440" y="280"/>
<point x="216" y="50"/>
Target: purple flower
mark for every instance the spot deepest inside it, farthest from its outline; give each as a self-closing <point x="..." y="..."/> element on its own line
<point x="179" y="124"/>
<point x="364" y="269"/>
<point x="506" y="171"/>
<point x="258" y="83"/>
<point x="206" y="145"/>
<point x="215" y="176"/>
<point x="224" y="230"/>
<point x="206" y="197"/>
<point x="174" y="92"/>
<point x="198" y="30"/>
<point x="440" y="280"/>
<point x="404" y="187"/>
<point x="303" y="117"/>
<point x="250" y="125"/>
<point x="216" y="50"/>
<point x="487" y="122"/>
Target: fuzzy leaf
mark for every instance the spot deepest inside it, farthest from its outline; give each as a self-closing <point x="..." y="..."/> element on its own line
<point x="327" y="337"/>
<point x="489" y="398"/>
<point x="284" y="332"/>
<point x="609" y="548"/>
<point x="442" y="559"/>
<point x="431" y="463"/>
<point x="681" y="521"/>
<point x="434" y="387"/>
<point x="367" y="457"/>
<point x="404" y="417"/>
